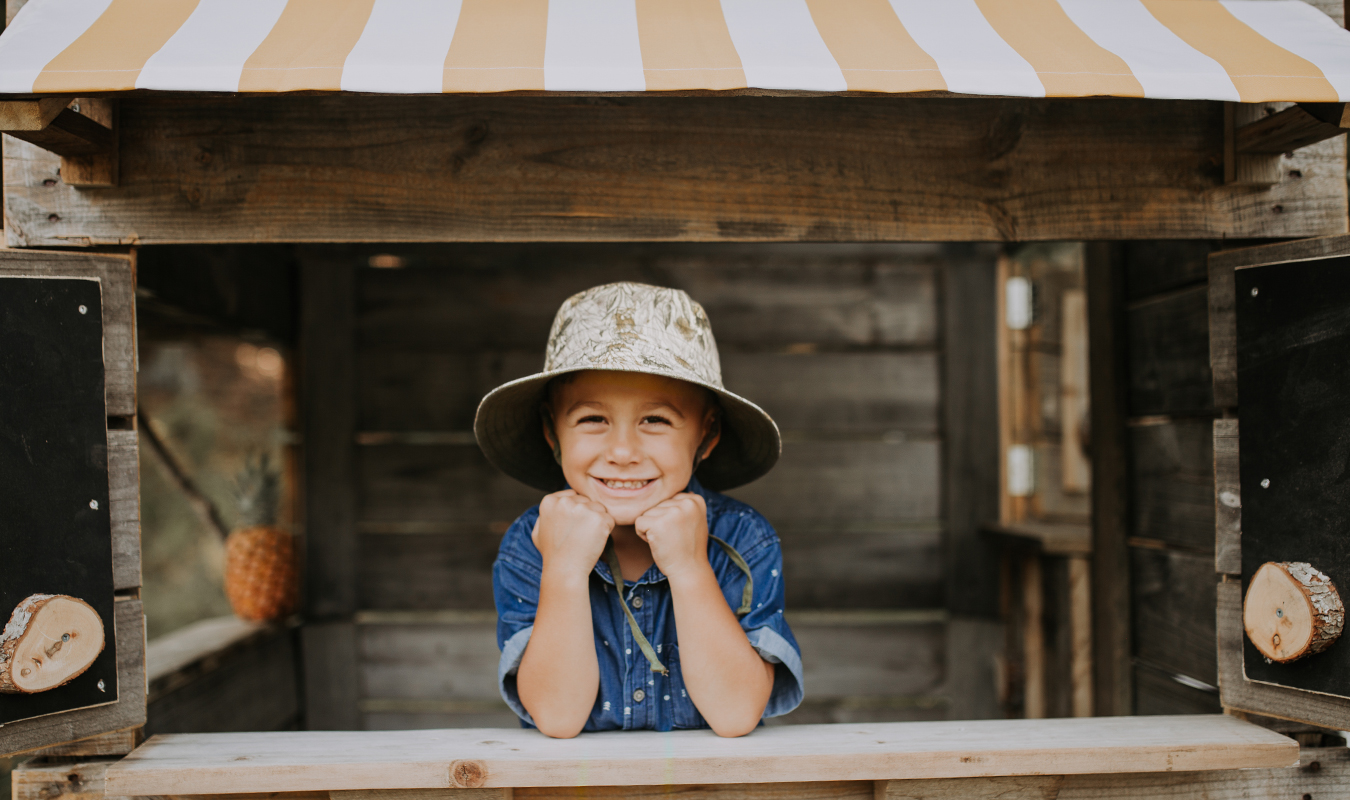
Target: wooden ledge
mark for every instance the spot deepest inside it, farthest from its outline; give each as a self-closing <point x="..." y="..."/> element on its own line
<point x="239" y="763"/>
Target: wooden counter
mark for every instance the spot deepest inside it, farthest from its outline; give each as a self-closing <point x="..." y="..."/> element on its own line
<point x="254" y="763"/>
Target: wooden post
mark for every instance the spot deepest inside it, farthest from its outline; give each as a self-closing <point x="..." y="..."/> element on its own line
<point x="1033" y="637"/>
<point x="1110" y="479"/>
<point x="1080" y="635"/>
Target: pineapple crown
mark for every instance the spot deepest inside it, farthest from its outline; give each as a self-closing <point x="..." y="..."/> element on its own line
<point x="257" y="491"/>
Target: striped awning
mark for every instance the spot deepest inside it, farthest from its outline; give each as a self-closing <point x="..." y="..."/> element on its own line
<point x="1241" y="50"/>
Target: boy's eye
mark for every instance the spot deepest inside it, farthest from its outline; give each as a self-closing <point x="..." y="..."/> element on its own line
<point x="654" y="419"/>
<point x="591" y="418"/>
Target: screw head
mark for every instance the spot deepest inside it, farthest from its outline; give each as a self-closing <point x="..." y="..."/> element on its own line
<point x="1265" y="483"/>
<point x="93" y="504"/>
<point x="1255" y="291"/>
<point x="84" y="309"/>
<point x="65" y="637"/>
<point x="101" y="686"/>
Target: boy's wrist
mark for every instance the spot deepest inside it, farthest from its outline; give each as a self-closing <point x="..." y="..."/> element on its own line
<point x="565" y="576"/>
<point x="693" y="576"/>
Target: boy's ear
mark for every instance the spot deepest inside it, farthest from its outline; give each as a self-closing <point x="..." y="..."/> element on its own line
<point x="550" y="435"/>
<point x="713" y="435"/>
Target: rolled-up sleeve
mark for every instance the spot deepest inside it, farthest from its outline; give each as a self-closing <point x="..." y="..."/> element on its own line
<point x="515" y="589"/>
<point x="765" y="625"/>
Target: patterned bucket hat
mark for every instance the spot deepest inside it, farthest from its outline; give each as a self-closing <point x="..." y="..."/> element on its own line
<point x="626" y="327"/>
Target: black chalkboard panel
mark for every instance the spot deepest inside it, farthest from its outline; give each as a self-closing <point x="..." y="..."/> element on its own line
<point x="55" y="532"/>
<point x="1293" y="333"/>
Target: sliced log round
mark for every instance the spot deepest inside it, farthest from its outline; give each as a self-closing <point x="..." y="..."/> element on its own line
<point x="1292" y="610"/>
<point x="50" y="639"/>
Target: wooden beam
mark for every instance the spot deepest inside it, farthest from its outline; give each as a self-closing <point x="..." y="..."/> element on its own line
<point x="69" y="133"/>
<point x="487" y="168"/>
<point x="502" y="757"/>
<point x="30" y="115"/>
<point x="1297" y="126"/>
<point x="1109" y="408"/>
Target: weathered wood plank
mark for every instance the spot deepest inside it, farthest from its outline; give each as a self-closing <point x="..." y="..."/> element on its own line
<point x="315" y="761"/>
<point x="117" y="743"/>
<point x="872" y="483"/>
<point x="1227" y="499"/>
<point x="252" y="169"/>
<point x="901" y="568"/>
<point x="1169" y="354"/>
<point x="116" y="276"/>
<point x="328" y="402"/>
<point x="1172" y="472"/>
<point x="1109" y="382"/>
<point x="824" y="790"/>
<point x="1173" y="617"/>
<point x="1238" y="693"/>
<point x="124" y="507"/>
<point x="128" y="712"/>
<point x="1329" y="778"/>
<point x="1222" y="333"/>
<point x="493" y="298"/>
<point x="1157" y="692"/>
<point x="1154" y="267"/>
<point x="835" y="392"/>
<point x="50" y="779"/>
<point x="331" y="681"/>
<point x="244" y="683"/>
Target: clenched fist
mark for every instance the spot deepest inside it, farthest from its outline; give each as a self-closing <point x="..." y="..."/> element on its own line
<point x="677" y="532"/>
<point x="571" y="533"/>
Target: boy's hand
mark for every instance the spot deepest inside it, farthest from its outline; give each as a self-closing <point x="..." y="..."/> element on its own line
<point x="677" y="532"/>
<point x="571" y="532"/>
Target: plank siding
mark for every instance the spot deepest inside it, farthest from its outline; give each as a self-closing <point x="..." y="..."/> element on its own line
<point x="1174" y="612"/>
<point x="1169" y="354"/>
<point x="482" y="168"/>
<point x="1173" y="483"/>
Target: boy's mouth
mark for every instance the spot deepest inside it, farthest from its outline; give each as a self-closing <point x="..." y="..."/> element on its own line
<point x="628" y="484"/>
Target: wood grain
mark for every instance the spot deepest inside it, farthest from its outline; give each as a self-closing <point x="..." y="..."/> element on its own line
<point x="128" y="712"/>
<point x="1172" y="477"/>
<point x="50" y="779"/>
<point x="116" y="276"/>
<point x="1109" y="382"/>
<point x="1169" y="354"/>
<point x="257" y="762"/>
<point x="1173" y="598"/>
<point x="350" y="168"/>
<point x="1227" y="499"/>
<point x="249" y="686"/>
<point x="117" y="743"/>
<point x="124" y="507"/>
<point x="1240" y="694"/>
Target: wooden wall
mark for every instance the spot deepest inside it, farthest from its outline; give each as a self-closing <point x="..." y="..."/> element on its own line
<point x="839" y="343"/>
<point x="1166" y="659"/>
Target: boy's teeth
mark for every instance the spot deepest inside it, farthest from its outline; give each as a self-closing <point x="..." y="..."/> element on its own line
<point x="625" y="484"/>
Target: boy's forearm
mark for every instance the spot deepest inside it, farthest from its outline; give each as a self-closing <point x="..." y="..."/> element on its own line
<point x="724" y="675"/>
<point x="559" y="675"/>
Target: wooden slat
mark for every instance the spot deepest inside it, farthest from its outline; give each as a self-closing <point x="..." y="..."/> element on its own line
<point x="1162" y="266"/>
<point x="117" y="743"/>
<point x="970" y="464"/>
<point x="128" y="712"/>
<point x="1240" y="694"/>
<point x="494" y="298"/>
<point x="831" y="790"/>
<point x="1287" y="130"/>
<point x="50" y="779"/>
<point x="257" y="762"/>
<point x="331" y="681"/>
<point x="249" y="686"/>
<point x="124" y="507"/>
<point x="328" y="403"/>
<point x="116" y="275"/>
<point x="835" y="392"/>
<point x="1227" y="499"/>
<point x="1158" y="692"/>
<point x="69" y="133"/>
<point x="1109" y="381"/>
<point x="1172" y="614"/>
<point x="901" y="568"/>
<point x="253" y="169"/>
<point x="1169" y="354"/>
<point x="1327" y="780"/>
<point x="1172" y="475"/>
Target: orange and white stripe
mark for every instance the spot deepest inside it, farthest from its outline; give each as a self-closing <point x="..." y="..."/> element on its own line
<point x="1240" y="50"/>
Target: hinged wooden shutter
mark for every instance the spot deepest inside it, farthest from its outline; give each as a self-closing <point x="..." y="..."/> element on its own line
<point x="69" y="511"/>
<point x="1280" y="351"/>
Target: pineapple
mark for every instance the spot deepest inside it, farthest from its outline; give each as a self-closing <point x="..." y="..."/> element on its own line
<point x="260" y="574"/>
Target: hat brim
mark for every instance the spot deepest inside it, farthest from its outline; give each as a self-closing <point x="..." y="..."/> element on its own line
<point x="509" y="429"/>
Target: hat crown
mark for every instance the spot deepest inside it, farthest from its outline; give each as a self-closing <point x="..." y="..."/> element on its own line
<point x="634" y="327"/>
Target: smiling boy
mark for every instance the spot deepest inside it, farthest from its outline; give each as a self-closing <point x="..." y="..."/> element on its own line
<point x="625" y="427"/>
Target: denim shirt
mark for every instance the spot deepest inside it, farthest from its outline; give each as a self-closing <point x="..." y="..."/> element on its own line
<point x="632" y="696"/>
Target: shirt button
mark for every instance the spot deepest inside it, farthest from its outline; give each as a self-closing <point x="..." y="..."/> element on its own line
<point x="637" y="601"/>
<point x="638" y="695"/>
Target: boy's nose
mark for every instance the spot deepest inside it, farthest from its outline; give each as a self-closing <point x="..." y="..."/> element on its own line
<point x="623" y="447"/>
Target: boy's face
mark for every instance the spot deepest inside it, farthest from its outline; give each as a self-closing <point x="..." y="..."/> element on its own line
<point x="628" y="439"/>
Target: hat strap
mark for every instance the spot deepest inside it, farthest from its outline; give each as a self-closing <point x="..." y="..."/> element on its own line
<point x="616" y="572"/>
